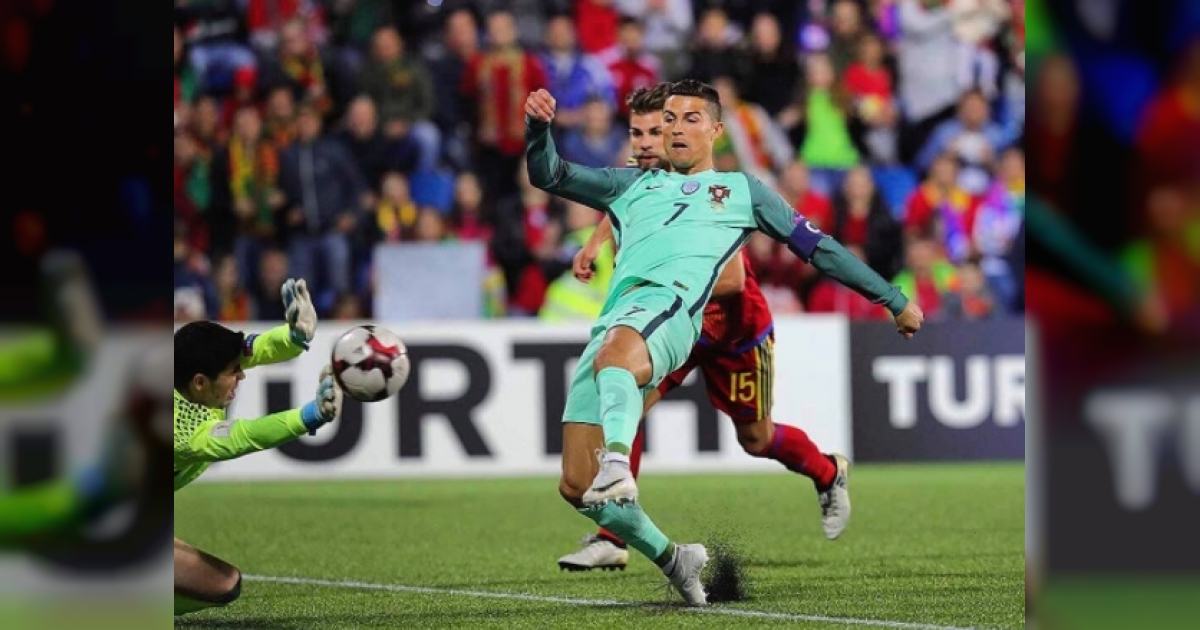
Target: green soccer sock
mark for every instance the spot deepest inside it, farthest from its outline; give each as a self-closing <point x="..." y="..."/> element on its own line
<point x="634" y="527"/>
<point x="620" y="407"/>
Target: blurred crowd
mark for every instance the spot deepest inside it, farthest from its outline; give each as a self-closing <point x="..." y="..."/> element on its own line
<point x="310" y="132"/>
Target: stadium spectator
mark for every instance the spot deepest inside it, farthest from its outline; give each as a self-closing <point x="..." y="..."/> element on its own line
<point x="846" y="27"/>
<point x="324" y="193"/>
<point x="497" y="80"/>
<point x="246" y="192"/>
<point x="772" y="70"/>
<point x="713" y="52"/>
<point x="976" y="25"/>
<point x="195" y="297"/>
<point x="825" y="108"/>
<point x="233" y="302"/>
<point x="795" y="188"/>
<point x="596" y="22"/>
<point x="192" y="172"/>
<point x="348" y="308"/>
<point x="927" y="55"/>
<point x="996" y="225"/>
<point x="245" y="94"/>
<point x="468" y="218"/>
<point x="940" y="210"/>
<point x="403" y="92"/>
<point x="869" y="84"/>
<point x="597" y="142"/>
<point x="566" y="297"/>
<point x="372" y="153"/>
<point x="752" y="142"/>
<point x="666" y="26"/>
<point x="1166" y="260"/>
<point x="272" y="272"/>
<point x="430" y="227"/>
<point x="572" y="76"/>
<point x="927" y="277"/>
<point x="830" y="296"/>
<point x="860" y="217"/>
<point x="972" y="138"/>
<point x="780" y="274"/>
<point x="279" y="121"/>
<point x="303" y="67"/>
<point x="205" y="125"/>
<point x="447" y="63"/>
<point x="629" y="65"/>
<point x="971" y="298"/>
<point x="395" y="212"/>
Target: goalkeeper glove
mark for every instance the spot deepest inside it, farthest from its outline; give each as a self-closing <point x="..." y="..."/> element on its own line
<point x="326" y="406"/>
<point x="299" y="311"/>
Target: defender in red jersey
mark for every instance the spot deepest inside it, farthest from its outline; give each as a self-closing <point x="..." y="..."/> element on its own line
<point x="735" y="354"/>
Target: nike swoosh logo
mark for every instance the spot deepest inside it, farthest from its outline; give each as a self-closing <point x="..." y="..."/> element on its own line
<point x="656" y="187"/>
<point x="606" y="488"/>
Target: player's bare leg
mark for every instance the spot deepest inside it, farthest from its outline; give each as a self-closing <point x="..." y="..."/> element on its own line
<point x="792" y="447"/>
<point x="603" y="551"/>
<point x="203" y="580"/>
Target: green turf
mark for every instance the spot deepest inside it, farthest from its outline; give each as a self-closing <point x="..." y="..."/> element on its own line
<point x="936" y="545"/>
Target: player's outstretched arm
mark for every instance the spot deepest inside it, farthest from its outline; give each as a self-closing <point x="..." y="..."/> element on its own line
<point x="215" y="441"/>
<point x="777" y="219"/>
<point x="581" y="266"/>
<point x="593" y="187"/>
<point x="286" y="342"/>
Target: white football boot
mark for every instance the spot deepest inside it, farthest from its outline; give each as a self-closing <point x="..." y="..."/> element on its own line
<point x="684" y="573"/>
<point x="614" y="482"/>
<point x="597" y="553"/>
<point x="835" y="500"/>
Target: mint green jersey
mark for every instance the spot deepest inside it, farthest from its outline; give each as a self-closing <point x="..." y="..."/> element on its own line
<point x="674" y="230"/>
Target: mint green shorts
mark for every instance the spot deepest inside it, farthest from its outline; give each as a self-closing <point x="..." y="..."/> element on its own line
<point x="662" y="319"/>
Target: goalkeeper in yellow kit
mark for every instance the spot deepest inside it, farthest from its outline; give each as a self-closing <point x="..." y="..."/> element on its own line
<point x="209" y="363"/>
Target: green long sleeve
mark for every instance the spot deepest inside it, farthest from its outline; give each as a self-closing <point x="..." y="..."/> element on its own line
<point x="594" y="187"/>
<point x="273" y="346"/>
<point x="38" y="509"/>
<point x="838" y="263"/>
<point x="217" y="440"/>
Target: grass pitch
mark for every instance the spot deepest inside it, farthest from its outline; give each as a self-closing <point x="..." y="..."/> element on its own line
<point x="928" y="547"/>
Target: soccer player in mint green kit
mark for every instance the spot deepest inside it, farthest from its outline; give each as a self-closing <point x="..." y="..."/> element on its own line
<point x="210" y="360"/>
<point x="687" y="225"/>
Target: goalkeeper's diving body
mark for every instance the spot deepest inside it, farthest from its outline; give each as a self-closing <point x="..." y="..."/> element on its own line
<point x="688" y="224"/>
<point x="209" y="363"/>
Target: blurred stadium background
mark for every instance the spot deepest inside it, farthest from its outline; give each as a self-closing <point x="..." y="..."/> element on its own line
<point x="375" y="148"/>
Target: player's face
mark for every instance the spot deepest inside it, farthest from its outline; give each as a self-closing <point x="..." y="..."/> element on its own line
<point x="220" y="391"/>
<point x="646" y="140"/>
<point x="689" y="131"/>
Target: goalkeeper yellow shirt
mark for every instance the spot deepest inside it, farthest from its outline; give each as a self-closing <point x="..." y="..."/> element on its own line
<point x="204" y="435"/>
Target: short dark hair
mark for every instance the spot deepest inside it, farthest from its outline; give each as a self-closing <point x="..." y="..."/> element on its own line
<point x="646" y="100"/>
<point x="204" y="348"/>
<point x="698" y="89"/>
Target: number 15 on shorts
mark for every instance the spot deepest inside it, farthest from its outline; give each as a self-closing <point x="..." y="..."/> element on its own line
<point x="742" y="387"/>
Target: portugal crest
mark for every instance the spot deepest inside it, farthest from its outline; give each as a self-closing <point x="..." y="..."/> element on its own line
<point x="717" y="195"/>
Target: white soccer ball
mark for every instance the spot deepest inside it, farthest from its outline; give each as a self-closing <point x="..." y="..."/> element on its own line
<point x="370" y="363"/>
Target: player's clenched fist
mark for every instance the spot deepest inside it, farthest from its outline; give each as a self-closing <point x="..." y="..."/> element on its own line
<point x="909" y="321"/>
<point x="540" y="105"/>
